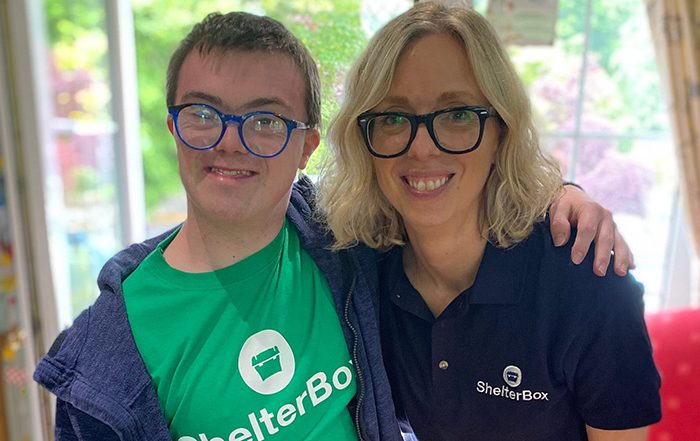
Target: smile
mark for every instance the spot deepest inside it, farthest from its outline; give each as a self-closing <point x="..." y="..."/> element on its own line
<point x="222" y="172"/>
<point x="427" y="184"/>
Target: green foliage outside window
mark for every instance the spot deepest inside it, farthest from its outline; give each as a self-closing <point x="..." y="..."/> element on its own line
<point x="624" y="85"/>
<point x="622" y="100"/>
<point x="623" y="80"/>
<point x="330" y="28"/>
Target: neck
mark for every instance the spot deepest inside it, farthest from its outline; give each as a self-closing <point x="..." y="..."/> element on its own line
<point x="442" y="263"/>
<point x="202" y="245"/>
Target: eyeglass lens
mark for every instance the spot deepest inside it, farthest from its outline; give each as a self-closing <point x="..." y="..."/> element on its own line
<point x="201" y="127"/>
<point x="455" y="130"/>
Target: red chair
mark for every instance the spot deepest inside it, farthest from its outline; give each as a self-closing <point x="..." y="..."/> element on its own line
<point x="675" y="338"/>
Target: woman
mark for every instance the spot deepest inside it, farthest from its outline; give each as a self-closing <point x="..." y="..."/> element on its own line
<point x="489" y="332"/>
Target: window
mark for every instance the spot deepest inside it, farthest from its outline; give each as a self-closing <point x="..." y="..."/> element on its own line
<point x="601" y="115"/>
<point x="597" y="97"/>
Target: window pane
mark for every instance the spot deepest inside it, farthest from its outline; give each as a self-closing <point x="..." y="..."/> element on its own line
<point x="619" y="147"/>
<point x="635" y="177"/>
<point x="623" y="82"/>
<point x="81" y="192"/>
<point x="646" y="212"/>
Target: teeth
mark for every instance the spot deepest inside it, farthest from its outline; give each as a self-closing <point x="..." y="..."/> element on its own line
<point x="427" y="184"/>
<point x="231" y="172"/>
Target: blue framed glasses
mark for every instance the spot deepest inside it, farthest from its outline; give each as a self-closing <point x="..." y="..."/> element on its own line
<point x="263" y="134"/>
<point x="454" y="130"/>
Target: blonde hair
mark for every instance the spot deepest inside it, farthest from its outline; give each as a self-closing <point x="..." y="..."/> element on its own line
<point x="524" y="181"/>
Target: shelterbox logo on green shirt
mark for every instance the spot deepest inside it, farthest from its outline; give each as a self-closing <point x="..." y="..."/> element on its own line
<point x="266" y="364"/>
<point x="251" y="352"/>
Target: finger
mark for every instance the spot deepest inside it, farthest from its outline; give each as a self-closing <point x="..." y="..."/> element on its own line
<point x="587" y="229"/>
<point x="559" y="226"/>
<point x="624" y="259"/>
<point x="604" y="243"/>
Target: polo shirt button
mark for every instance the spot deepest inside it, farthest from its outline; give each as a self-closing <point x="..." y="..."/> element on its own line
<point x="443" y="365"/>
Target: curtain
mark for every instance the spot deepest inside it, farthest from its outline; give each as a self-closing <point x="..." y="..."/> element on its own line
<point x="675" y="30"/>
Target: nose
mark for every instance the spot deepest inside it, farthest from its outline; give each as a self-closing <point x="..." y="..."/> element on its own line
<point x="423" y="147"/>
<point x="231" y="141"/>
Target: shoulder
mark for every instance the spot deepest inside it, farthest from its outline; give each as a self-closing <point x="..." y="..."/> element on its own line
<point x="577" y="286"/>
<point x="304" y="195"/>
<point x="116" y="269"/>
<point x="98" y="341"/>
<point x="302" y="213"/>
<point x="97" y="349"/>
<point x="106" y="317"/>
<point x="559" y="258"/>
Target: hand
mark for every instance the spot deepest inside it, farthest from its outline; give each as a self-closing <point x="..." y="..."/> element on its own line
<point x="575" y="209"/>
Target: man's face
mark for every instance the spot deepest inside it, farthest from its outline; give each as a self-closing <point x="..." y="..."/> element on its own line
<point x="226" y="183"/>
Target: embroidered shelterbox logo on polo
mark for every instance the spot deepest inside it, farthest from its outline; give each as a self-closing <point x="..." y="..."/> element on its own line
<point x="266" y="362"/>
<point x="513" y="377"/>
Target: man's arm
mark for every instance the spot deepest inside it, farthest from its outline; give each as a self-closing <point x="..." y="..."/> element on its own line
<point x="64" y="430"/>
<point x="575" y="208"/>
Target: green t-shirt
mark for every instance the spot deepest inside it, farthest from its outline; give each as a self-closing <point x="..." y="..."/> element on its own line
<point x="245" y="352"/>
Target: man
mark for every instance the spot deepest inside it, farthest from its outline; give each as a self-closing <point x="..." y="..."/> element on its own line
<point x="239" y="324"/>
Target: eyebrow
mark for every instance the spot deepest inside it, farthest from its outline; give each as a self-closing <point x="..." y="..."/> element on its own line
<point x="201" y="96"/>
<point x="266" y="101"/>
<point x="464" y="94"/>
<point x="251" y="105"/>
<point x="446" y="96"/>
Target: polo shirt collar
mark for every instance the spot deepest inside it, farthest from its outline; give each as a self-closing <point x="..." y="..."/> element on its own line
<point x="501" y="275"/>
<point x="499" y="280"/>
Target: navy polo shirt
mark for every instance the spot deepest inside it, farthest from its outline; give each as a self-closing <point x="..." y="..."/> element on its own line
<point x="536" y="349"/>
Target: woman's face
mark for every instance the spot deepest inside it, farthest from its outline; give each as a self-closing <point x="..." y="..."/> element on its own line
<point x="428" y="187"/>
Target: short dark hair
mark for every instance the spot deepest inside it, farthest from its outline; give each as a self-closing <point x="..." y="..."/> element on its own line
<point x="243" y="31"/>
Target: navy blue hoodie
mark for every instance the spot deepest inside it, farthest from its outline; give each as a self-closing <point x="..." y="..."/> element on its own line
<point x="104" y="390"/>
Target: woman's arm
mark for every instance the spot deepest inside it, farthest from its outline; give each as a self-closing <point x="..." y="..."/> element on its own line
<point x="638" y="434"/>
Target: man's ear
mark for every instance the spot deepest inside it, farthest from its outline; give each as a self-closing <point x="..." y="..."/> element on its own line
<point x="171" y="125"/>
<point x="311" y="140"/>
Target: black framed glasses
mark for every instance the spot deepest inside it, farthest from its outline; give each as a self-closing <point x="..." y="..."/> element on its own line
<point x="263" y="134"/>
<point x="455" y="130"/>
